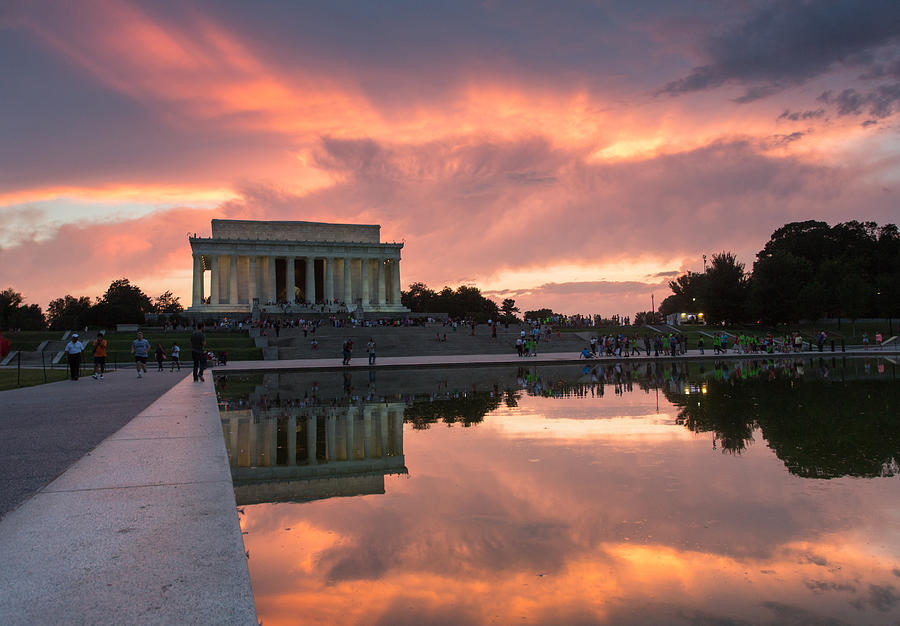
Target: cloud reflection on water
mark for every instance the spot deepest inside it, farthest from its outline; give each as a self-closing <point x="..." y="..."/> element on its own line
<point x="508" y="521"/>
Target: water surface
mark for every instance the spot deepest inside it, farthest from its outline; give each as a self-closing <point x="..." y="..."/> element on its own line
<point x="764" y="492"/>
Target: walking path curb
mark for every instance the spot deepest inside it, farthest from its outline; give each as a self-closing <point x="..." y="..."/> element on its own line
<point x="456" y="360"/>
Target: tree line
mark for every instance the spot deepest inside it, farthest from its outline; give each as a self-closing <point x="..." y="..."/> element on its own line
<point x="123" y="303"/>
<point x="807" y="270"/>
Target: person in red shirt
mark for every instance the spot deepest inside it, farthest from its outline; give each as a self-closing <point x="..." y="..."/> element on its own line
<point x="99" y="357"/>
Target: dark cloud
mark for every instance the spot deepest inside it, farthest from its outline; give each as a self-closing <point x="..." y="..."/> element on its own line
<point x="883" y="598"/>
<point x="879" y="103"/>
<point x="785" y="139"/>
<point x="819" y="586"/>
<point x="596" y="287"/>
<point x="796" y="116"/>
<point x="787" y="43"/>
<point x="789" y="614"/>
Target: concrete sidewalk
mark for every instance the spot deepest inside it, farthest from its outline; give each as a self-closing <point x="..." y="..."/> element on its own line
<point x="46" y="428"/>
<point x="142" y="529"/>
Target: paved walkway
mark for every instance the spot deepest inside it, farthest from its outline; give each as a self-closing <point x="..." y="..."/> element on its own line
<point x="143" y="528"/>
<point x="46" y="428"/>
<point x="360" y="359"/>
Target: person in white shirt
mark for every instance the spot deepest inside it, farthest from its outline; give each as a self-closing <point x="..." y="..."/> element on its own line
<point x="73" y="352"/>
<point x="175" y="355"/>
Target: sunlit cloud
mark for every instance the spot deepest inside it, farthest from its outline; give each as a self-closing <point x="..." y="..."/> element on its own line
<point x="518" y="164"/>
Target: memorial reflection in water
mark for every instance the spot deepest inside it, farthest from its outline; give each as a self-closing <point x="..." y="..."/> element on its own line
<point x="760" y="491"/>
<point x="299" y="449"/>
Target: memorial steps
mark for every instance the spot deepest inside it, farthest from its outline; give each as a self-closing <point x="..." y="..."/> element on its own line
<point x="409" y="341"/>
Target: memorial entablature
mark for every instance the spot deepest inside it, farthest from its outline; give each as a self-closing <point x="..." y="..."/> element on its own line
<point x="328" y="267"/>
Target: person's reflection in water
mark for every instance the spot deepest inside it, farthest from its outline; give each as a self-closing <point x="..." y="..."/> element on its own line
<point x="371" y="393"/>
<point x="348" y="384"/>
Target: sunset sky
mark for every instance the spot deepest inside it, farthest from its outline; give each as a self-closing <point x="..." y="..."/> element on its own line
<point x="574" y="155"/>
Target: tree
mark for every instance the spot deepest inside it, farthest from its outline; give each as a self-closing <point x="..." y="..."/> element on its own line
<point x="647" y="317"/>
<point x="29" y="317"/>
<point x="508" y="310"/>
<point x="167" y="304"/>
<point x="68" y="312"/>
<point x="724" y="295"/>
<point x="539" y="314"/>
<point x="123" y="303"/>
<point x="776" y="286"/>
<point x="10" y="301"/>
<point x="464" y="302"/>
<point x="419" y="298"/>
<point x="808" y="269"/>
<point x="687" y="294"/>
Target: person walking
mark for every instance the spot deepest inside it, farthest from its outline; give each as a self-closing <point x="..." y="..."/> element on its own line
<point x="370" y="348"/>
<point x="175" y="356"/>
<point x="140" y="348"/>
<point x="198" y="347"/>
<point x="347" y="350"/>
<point x="73" y="352"/>
<point x="99" y="356"/>
<point x="160" y="356"/>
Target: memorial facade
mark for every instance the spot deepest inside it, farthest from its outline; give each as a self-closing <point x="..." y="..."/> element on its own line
<point x="301" y="265"/>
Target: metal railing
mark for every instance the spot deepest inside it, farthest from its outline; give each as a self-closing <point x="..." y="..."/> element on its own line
<point x="86" y="368"/>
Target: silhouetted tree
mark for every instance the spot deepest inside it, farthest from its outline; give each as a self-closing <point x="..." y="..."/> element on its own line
<point x="68" y="312"/>
<point x="508" y="310"/>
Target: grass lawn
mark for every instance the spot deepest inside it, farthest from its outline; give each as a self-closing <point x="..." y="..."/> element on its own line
<point x="10" y="378"/>
<point x="30" y="339"/>
<point x="239" y="346"/>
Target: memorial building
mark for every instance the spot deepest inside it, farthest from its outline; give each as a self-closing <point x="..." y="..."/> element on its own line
<point x="294" y="266"/>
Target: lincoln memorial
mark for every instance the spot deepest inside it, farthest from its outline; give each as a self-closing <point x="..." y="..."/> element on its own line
<point x="327" y="267"/>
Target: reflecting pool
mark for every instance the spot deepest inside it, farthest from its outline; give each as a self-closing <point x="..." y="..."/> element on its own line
<point x="733" y="492"/>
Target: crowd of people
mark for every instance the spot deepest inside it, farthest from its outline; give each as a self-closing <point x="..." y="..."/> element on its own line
<point x="140" y="350"/>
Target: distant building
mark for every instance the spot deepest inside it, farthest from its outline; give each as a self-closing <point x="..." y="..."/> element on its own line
<point x="675" y="319"/>
<point x="297" y="264"/>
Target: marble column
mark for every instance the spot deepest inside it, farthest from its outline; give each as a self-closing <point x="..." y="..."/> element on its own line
<point x="367" y="435"/>
<point x="348" y="293"/>
<point x="214" y="279"/>
<point x="269" y="442"/>
<point x="310" y="284"/>
<point x="329" y="279"/>
<point x="290" y="281"/>
<point x="252" y="445"/>
<point x="251" y="285"/>
<point x="292" y="439"/>
<point x="395" y="275"/>
<point x="383" y="424"/>
<point x="197" y="294"/>
<point x="364" y="281"/>
<point x="233" y="281"/>
<point x="330" y="438"/>
<point x="380" y="280"/>
<point x="396" y="418"/>
<point x="273" y="292"/>
<point x="351" y="416"/>
<point x="311" y="439"/>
